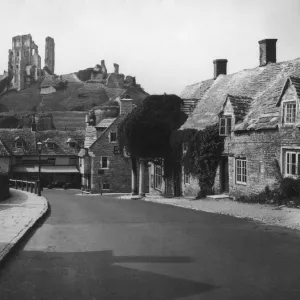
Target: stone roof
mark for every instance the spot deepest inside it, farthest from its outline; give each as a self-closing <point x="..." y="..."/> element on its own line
<point x="90" y="136"/>
<point x="3" y="149"/>
<point x="71" y="78"/>
<point x="30" y="138"/>
<point x="197" y="90"/>
<point x="241" y="106"/>
<point x="262" y="84"/>
<point x="105" y="122"/>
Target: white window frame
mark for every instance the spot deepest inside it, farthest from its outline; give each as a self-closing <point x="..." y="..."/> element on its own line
<point x="227" y="128"/>
<point x="158" y="177"/>
<point x="101" y="162"/>
<point x="285" y="105"/>
<point x="241" y="173"/>
<point x="288" y="165"/>
<point x="110" y="140"/>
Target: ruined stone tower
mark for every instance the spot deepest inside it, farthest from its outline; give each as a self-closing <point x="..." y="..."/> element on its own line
<point x="49" y="53"/>
<point x="24" y="61"/>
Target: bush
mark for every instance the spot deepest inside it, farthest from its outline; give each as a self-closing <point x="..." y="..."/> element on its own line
<point x="290" y="187"/>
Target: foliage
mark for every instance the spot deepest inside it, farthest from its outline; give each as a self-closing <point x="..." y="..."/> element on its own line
<point x="145" y="132"/>
<point x="202" y="156"/>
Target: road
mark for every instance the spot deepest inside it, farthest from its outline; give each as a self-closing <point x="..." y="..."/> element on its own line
<point x="99" y="247"/>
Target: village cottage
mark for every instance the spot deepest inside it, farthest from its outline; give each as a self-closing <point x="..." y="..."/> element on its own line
<point x="19" y="156"/>
<point x="101" y="165"/>
<point x="258" y="114"/>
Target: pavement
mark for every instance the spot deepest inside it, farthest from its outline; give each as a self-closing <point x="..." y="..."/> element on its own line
<point x="103" y="248"/>
<point x="18" y="214"/>
<point x="269" y="214"/>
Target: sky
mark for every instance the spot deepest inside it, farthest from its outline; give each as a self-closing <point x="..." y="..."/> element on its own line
<point x="166" y="44"/>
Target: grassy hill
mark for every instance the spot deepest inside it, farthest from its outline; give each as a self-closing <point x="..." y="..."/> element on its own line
<point x="78" y="96"/>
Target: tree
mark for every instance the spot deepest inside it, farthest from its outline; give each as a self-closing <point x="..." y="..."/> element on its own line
<point x="145" y="132"/>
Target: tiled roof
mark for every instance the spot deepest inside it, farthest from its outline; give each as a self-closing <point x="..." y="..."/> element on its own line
<point x="262" y="84"/>
<point x="9" y="137"/>
<point x="90" y="136"/>
<point x="296" y="82"/>
<point x="60" y="139"/>
<point x="3" y="149"/>
<point x="30" y="138"/>
<point x="241" y="106"/>
<point x="197" y="90"/>
<point x="105" y="122"/>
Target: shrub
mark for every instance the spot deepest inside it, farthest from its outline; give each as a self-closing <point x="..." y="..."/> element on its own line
<point x="290" y="187"/>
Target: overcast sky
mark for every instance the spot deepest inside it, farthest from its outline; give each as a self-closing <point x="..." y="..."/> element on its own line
<point x="166" y="44"/>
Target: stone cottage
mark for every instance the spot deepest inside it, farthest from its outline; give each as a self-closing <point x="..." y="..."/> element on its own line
<point x="258" y="114"/>
<point x="101" y="165"/>
<point x="59" y="162"/>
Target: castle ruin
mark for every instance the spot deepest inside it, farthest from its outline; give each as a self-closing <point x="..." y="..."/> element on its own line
<point x="24" y="61"/>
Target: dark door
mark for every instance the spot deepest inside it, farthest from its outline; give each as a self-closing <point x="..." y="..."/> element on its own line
<point x="225" y="175"/>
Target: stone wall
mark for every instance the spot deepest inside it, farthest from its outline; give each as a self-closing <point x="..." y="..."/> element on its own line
<point x="118" y="175"/>
<point x="50" y="53"/>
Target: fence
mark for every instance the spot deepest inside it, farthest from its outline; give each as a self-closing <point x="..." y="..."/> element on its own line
<point x="29" y="186"/>
<point x="4" y="187"/>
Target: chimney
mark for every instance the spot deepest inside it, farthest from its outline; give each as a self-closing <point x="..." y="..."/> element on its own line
<point x="125" y="106"/>
<point x="267" y="51"/>
<point x="33" y="124"/>
<point x="220" y="67"/>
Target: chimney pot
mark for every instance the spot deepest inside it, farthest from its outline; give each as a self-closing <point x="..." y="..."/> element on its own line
<point x="220" y="67"/>
<point x="267" y="51"/>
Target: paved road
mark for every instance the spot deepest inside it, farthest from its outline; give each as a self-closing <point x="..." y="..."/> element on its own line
<point x="103" y="248"/>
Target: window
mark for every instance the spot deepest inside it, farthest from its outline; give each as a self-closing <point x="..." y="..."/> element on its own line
<point x="73" y="161"/>
<point x="225" y="126"/>
<point x="19" y="144"/>
<point x="157" y="177"/>
<point x="289" y="109"/>
<point x="80" y="161"/>
<point x="292" y="162"/>
<point x="104" y="162"/>
<point x="241" y="171"/>
<point x="116" y="150"/>
<point x="113" y="137"/>
<point x="184" y="147"/>
<point x="186" y="178"/>
<point x="51" y="161"/>
<point x="50" y="145"/>
<point x="106" y="186"/>
<point x="18" y="160"/>
<point x="72" y="144"/>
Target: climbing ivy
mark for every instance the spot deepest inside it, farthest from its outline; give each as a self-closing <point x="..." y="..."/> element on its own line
<point x="202" y="155"/>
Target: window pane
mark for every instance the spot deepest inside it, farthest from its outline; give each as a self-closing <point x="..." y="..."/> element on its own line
<point x="228" y="125"/>
<point x="222" y="126"/>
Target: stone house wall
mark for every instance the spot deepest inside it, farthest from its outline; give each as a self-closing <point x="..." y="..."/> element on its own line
<point x="118" y="175"/>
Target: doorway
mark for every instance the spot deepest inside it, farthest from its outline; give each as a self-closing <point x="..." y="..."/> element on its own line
<point x="224" y="175"/>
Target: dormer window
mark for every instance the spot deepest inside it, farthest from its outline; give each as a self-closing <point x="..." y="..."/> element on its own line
<point x="50" y="145"/>
<point x="71" y="142"/>
<point x="18" y="142"/>
<point x="225" y="126"/>
<point x="289" y="112"/>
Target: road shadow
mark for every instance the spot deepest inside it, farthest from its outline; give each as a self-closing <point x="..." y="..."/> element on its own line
<point x="92" y="275"/>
